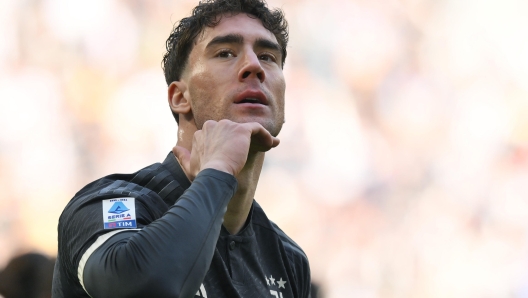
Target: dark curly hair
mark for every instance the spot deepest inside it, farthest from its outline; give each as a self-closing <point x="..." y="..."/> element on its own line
<point x="181" y="40"/>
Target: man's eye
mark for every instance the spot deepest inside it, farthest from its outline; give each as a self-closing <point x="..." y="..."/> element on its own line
<point x="225" y="54"/>
<point x="267" y="57"/>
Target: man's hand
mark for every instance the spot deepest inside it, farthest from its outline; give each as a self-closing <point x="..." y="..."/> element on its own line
<point x="224" y="146"/>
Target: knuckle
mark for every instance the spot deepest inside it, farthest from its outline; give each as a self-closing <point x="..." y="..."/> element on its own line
<point x="209" y="124"/>
<point x="224" y="122"/>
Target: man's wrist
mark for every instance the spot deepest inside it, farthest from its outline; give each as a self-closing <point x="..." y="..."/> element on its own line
<point x="220" y="166"/>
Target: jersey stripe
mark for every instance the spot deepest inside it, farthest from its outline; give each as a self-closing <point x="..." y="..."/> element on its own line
<point x="114" y="185"/>
<point x="168" y="189"/>
<point x="156" y="180"/>
<point x="144" y="173"/>
<point x="134" y="188"/>
<point x="100" y="241"/>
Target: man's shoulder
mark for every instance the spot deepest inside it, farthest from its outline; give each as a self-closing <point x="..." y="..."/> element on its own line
<point x="116" y="183"/>
<point x="83" y="219"/>
<point x="291" y="247"/>
<point x="293" y="250"/>
<point x="86" y="205"/>
<point x="154" y="182"/>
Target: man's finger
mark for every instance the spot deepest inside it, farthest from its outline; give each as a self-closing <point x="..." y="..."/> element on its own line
<point x="261" y="139"/>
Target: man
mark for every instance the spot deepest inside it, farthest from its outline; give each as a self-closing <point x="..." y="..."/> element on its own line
<point x="189" y="227"/>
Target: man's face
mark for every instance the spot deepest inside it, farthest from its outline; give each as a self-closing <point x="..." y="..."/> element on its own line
<point x="234" y="72"/>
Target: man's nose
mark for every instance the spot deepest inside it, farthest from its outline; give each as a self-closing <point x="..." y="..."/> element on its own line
<point x="251" y="68"/>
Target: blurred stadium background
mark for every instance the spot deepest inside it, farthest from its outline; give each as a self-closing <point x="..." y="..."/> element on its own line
<point x="403" y="164"/>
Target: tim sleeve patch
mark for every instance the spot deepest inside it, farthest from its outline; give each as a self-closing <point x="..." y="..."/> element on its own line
<point x="119" y="213"/>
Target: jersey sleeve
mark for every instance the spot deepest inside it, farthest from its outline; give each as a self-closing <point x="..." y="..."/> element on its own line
<point x="167" y="255"/>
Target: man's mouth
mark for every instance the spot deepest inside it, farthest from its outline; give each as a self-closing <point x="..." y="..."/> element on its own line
<point x="252" y="97"/>
<point x="250" y="100"/>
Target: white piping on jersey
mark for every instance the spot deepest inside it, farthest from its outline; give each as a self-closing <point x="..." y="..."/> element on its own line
<point x="100" y="241"/>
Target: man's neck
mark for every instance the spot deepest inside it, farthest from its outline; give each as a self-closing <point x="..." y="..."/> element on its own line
<point x="240" y="205"/>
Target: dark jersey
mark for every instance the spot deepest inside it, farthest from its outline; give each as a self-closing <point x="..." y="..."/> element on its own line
<point x="154" y="234"/>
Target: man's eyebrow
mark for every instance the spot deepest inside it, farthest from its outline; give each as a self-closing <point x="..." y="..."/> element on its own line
<point x="229" y="38"/>
<point x="267" y="44"/>
<point x="239" y="39"/>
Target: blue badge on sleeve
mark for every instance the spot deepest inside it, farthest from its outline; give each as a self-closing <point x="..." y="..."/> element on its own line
<point x="119" y="213"/>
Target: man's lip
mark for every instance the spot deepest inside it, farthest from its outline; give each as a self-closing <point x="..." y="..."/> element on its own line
<point x="256" y="94"/>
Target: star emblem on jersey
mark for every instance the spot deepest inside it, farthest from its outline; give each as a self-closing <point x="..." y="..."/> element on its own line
<point x="272" y="279"/>
<point x="275" y="285"/>
<point x="281" y="283"/>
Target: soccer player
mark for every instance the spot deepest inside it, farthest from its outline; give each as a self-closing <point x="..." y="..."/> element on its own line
<point x="189" y="226"/>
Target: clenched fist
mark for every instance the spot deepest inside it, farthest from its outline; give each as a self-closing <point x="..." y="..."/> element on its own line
<point x="224" y="146"/>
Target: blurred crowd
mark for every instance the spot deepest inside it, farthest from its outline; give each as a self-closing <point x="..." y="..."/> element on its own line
<point x="27" y="276"/>
<point x="403" y="164"/>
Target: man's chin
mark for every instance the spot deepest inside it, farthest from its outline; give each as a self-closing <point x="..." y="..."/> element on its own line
<point x="267" y="123"/>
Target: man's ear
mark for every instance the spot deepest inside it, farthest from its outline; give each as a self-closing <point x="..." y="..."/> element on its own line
<point x="178" y="98"/>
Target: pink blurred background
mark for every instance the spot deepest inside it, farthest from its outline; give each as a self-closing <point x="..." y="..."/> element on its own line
<point x="403" y="164"/>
